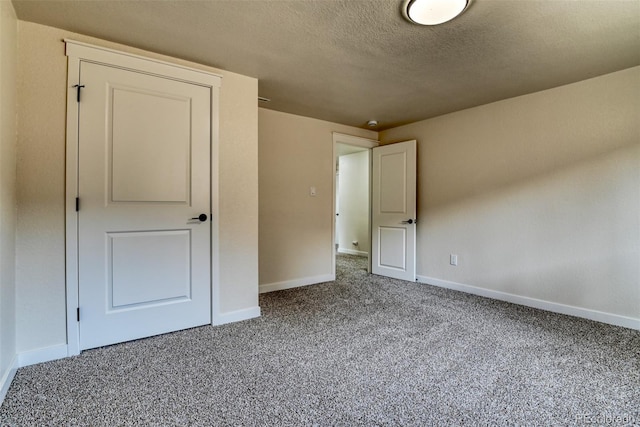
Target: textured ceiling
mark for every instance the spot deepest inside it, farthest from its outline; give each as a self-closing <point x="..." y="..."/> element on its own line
<point x="349" y="61"/>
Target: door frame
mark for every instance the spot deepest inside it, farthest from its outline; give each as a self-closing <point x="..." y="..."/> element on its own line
<point x="341" y="138"/>
<point x="78" y="52"/>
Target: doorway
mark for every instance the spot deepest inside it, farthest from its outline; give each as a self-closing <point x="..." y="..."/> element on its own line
<point x="352" y="200"/>
<point x="352" y="196"/>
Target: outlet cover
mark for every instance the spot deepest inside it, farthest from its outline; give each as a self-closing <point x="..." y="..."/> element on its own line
<point x="453" y="259"/>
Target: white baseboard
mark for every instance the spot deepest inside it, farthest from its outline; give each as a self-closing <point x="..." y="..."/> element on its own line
<point x="41" y="355"/>
<point x="7" y="378"/>
<point x="598" y="316"/>
<point x="296" y="283"/>
<point x="352" y="252"/>
<point x="236" y="316"/>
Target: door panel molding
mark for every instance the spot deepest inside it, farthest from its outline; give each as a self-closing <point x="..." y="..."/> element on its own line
<point x="125" y="155"/>
<point x="77" y="53"/>
<point x="121" y="250"/>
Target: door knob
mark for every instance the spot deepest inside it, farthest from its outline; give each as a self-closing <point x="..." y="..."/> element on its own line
<point x="409" y="221"/>
<point x="201" y="217"/>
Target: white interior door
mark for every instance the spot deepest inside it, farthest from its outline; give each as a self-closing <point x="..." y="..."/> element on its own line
<point x="337" y="202"/>
<point x="143" y="175"/>
<point x="393" y="204"/>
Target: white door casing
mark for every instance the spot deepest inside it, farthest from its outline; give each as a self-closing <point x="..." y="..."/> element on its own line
<point x="393" y="239"/>
<point x="144" y="160"/>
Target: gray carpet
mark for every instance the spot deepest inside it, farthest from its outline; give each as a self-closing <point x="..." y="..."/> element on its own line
<point x="363" y="350"/>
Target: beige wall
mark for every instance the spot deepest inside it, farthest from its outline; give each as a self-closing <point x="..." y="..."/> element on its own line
<point x="296" y="229"/>
<point x="40" y="266"/>
<point x="8" y="59"/>
<point x="353" y="222"/>
<point x="538" y="195"/>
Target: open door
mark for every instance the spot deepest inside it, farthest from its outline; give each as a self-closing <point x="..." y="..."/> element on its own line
<point x="393" y="239"/>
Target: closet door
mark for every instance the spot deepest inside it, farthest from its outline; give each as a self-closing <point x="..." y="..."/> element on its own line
<point x="144" y="230"/>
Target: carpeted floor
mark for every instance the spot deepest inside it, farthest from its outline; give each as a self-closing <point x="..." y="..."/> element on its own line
<point x="362" y="350"/>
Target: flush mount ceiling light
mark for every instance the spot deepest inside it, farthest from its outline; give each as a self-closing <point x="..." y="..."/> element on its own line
<point x="433" y="12"/>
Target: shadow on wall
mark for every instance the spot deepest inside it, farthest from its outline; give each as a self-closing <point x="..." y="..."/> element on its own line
<point x="571" y="236"/>
<point x="486" y="148"/>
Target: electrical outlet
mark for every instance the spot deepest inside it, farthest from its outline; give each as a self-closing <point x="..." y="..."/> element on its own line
<point x="312" y="191"/>
<point x="453" y="259"/>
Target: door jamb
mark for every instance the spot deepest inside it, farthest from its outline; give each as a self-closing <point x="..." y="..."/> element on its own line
<point x="76" y="53"/>
<point x="341" y="138"/>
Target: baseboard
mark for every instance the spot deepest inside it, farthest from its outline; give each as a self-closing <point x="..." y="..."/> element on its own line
<point x="296" y="283"/>
<point x="352" y="252"/>
<point x="41" y="355"/>
<point x="236" y="316"/>
<point x="7" y="378"/>
<point x="598" y="316"/>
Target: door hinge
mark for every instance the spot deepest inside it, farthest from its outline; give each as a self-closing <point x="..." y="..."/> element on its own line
<point x="78" y="87"/>
<point x="77" y="204"/>
<point x="78" y="314"/>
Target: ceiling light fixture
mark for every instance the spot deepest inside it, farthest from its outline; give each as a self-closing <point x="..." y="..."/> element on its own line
<point x="433" y="12"/>
<point x="372" y="123"/>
